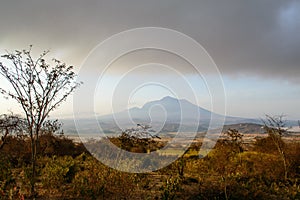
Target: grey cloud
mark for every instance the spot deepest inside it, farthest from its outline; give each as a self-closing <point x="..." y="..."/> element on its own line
<point x="258" y="38"/>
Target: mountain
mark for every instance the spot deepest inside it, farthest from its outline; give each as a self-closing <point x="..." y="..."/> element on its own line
<point x="165" y="115"/>
<point x="168" y="109"/>
<point x="170" y="114"/>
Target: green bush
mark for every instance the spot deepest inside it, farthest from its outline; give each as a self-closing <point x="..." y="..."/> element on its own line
<point x="170" y="188"/>
<point x="57" y="172"/>
<point x="6" y="178"/>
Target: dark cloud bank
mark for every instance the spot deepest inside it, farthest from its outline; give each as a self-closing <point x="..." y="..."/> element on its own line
<point x="258" y="38"/>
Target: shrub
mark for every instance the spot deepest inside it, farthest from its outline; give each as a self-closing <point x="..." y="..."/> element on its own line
<point x="170" y="187"/>
<point x="57" y="172"/>
<point x="50" y="145"/>
<point x="7" y="181"/>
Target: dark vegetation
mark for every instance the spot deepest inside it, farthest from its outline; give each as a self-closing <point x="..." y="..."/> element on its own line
<point x="65" y="170"/>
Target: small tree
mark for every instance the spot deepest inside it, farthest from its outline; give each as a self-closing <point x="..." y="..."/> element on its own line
<point x="10" y="125"/>
<point x="234" y="139"/>
<point x="275" y="128"/>
<point x="39" y="88"/>
<point x="52" y="127"/>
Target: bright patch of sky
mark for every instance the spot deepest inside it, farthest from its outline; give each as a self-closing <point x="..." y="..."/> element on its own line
<point x="245" y="97"/>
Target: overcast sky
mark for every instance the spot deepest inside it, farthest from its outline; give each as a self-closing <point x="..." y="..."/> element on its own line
<point x="255" y="44"/>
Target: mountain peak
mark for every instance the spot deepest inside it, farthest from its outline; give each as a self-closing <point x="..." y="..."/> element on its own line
<point x="168" y="98"/>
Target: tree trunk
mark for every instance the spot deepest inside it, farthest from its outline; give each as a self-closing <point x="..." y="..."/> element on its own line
<point x="282" y="155"/>
<point x="33" y="167"/>
<point x="284" y="165"/>
<point x="34" y="147"/>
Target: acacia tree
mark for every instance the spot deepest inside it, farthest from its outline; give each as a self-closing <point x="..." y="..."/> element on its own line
<point x="234" y="139"/>
<point x="39" y="88"/>
<point x="275" y="128"/>
<point x="138" y="139"/>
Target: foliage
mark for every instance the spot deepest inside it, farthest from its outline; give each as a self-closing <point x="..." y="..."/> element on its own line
<point x="90" y="181"/>
<point x="170" y="187"/>
<point x="57" y="172"/>
<point x="7" y="181"/>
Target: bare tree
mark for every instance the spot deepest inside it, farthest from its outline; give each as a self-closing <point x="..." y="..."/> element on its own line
<point x="10" y="125"/>
<point x="39" y="88"/>
<point x="275" y="128"/>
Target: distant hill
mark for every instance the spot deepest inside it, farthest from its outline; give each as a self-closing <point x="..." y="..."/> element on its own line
<point x="245" y="128"/>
